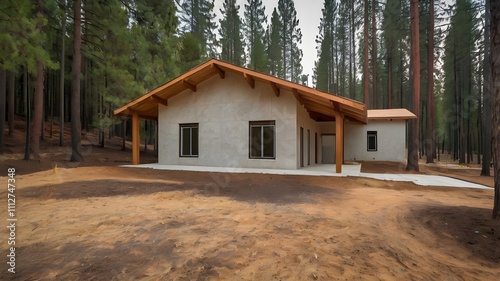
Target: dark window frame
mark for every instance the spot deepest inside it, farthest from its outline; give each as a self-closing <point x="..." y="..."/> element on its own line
<point x="189" y="126"/>
<point x="371" y="134"/>
<point x="262" y="125"/>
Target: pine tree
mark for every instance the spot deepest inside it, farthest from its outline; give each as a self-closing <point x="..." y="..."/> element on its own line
<point x="291" y="37"/>
<point x="413" y="140"/>
<point x="274" y="47"/>
<point x="197" y="17"/>
<point x="23" y="43"/>
<point x="230" y="31"/>
<point x="486" y="161"/>
<point x="76" y="131"/>
<point x="460" y="48"/>
<point x="495" y="72"/>
<point x="325" y="66"/>
<point x="255" y="19"/>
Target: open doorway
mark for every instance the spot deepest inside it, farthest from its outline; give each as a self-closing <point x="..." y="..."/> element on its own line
<point x="328" y="149"/>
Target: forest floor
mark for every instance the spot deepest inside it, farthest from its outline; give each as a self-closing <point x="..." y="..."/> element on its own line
<point x="98" y="221"/>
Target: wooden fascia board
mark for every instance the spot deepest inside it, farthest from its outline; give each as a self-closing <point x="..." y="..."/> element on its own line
<point x="159" y="100"/>
<point x="250" y="80"/>
<point x="390" y="118"/>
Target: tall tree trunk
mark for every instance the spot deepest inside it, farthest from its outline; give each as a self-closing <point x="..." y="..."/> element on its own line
<point x="61" y="85"/>
<point x="366" y="75"/>
<point x="374" y="56"/>
<point x="353" y="54"/>
<point x="11" y="100"/>
<point x="430" y="87"/>
<point x="76" y="126"/>
<point x="413" y="145"/>
<point x="27" y="110"/>
<point x="389" y="80"/>
<point x="38" y="98"/>
<point x="124" y="133"/>
<point x="485" y="170"/>
<point x="495" y="71"/>
<point x="37" y="110"/>
<point x="3" y="94"/>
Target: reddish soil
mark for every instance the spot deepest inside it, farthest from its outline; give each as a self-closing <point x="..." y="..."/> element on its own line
<point x="96" y="221"/>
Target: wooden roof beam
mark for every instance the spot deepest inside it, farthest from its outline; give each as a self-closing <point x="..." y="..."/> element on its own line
<point x="250" y="80"/>
<point x="320" y="110"/>
<point x="159" y="100"/>
<point x="222" y="73"/>
<point x="276" y="90"/>
<point x="189" y="84"/>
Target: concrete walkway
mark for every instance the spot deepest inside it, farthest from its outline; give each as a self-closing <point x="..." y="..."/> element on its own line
<point x="325" y="170"/>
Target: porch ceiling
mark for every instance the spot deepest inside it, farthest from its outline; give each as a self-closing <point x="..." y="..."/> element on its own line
<point x="320" y="105"/>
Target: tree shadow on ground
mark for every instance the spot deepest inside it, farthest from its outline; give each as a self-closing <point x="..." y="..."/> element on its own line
<point x="469" y="228"/>
<point x="122" y="260"/>
<point x="250" y="188"/>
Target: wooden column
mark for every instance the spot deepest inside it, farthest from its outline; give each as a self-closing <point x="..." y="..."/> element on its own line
<point x="339" y="141"/>
<point x="135" y="139"/>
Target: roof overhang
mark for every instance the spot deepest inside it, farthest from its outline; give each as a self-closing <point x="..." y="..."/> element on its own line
<point x="320" y="105"/>
<point x="390" y="114"/>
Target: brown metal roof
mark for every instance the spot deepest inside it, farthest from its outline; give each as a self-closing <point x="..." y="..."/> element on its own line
<point x="320" y="105"/>
<point x="395" y="114"/>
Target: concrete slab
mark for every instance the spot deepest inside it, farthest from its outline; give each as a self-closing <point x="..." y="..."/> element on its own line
<point x="325" y="170"/>
<point x="317" y="170"/>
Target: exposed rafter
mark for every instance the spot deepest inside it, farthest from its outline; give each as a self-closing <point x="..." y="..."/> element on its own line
<point x="222" y="73"/>
<point x="297" y="96"/>
<point x="160" y="100"/>
<point x="276" y="90"/>
<point x="189" y="84"/>
<point x="250" y="80"/>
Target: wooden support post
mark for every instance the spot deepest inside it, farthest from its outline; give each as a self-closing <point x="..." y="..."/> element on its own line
<point x="135" y="139"/>
<point x="339" y="141"/>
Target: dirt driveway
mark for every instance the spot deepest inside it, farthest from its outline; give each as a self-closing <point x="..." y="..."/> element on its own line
<point x="111" y="223"/>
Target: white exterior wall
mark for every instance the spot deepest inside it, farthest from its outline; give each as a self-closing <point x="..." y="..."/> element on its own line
<point x="223" y="109"/>
<point x="391" y="140"/>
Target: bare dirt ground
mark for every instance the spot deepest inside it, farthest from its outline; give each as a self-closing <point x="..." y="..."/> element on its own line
<point x="97" y="221"/>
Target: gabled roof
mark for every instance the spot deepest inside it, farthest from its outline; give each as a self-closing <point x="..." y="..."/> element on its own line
<point x="390" y="114"/>
<point x="320" y="105"/>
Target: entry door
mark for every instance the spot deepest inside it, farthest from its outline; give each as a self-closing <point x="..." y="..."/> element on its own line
<point x="328" y="149"/>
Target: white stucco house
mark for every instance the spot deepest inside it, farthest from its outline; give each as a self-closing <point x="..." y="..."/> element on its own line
<point x="223" y="115"/>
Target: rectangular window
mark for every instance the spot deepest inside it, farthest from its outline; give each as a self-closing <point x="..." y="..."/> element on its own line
<point x="188" y="143"/>
<point x="262" y="140"/>
<point x="372" y="140"/>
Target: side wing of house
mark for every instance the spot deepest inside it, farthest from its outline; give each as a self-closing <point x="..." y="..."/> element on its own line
<point x="383" y="138"/>
<point x="376" y="141"/>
